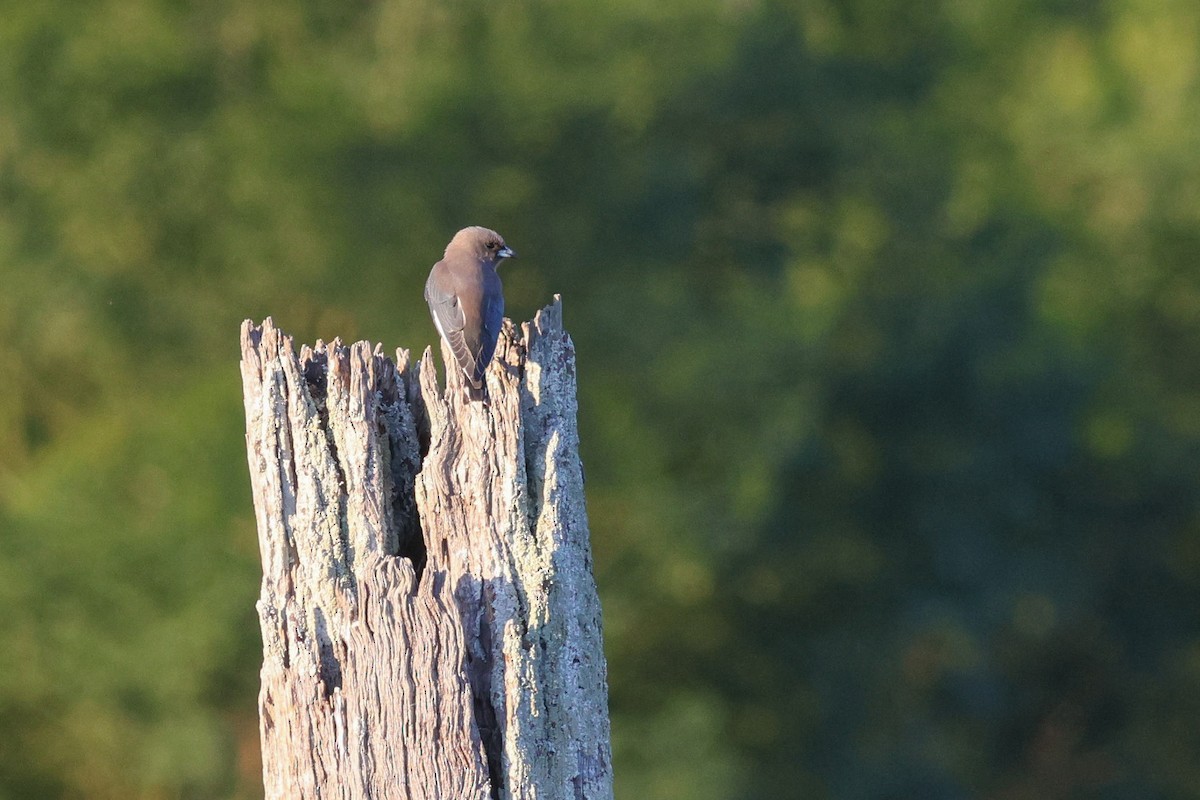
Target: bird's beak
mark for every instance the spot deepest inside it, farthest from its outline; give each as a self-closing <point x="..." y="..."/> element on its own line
<point x="505" y="252"/>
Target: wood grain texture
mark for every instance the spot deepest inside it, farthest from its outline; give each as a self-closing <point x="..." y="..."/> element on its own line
<point x="430" y="623"/>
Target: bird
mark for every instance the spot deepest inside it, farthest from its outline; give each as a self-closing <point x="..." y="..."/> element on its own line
<point x="466" y="301"/>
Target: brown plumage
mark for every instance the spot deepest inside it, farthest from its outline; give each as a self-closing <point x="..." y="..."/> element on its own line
<point x="466" y="300"/>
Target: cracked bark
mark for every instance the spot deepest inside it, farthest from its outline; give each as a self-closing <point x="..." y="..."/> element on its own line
<point x="429" y="618"/>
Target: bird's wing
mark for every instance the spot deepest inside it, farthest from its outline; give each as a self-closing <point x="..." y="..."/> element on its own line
<point x="451" y="320"/>
<point x="491" y="318"/>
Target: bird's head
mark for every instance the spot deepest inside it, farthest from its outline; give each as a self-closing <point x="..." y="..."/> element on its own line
<point x="481" y="243"/>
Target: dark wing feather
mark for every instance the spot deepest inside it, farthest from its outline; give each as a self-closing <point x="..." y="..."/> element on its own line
<point x="453" y="319"/>
<point x="491" y="318"/>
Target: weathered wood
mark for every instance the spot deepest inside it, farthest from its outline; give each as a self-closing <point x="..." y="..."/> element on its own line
<point x="430" y="623"/>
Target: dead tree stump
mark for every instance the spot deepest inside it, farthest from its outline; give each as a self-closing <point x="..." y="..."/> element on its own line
<point x="429" y="618"/>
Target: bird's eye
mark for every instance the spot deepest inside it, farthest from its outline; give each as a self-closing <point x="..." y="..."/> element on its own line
<point x="491" y="245"/>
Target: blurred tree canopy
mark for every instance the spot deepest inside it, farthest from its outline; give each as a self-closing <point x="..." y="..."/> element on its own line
<point x="887" y="318"/>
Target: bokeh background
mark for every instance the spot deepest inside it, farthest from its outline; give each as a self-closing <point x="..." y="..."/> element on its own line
<point x="889" y="356"/>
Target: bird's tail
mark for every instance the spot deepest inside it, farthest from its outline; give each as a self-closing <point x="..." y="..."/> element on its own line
<point x="476" y="391"/>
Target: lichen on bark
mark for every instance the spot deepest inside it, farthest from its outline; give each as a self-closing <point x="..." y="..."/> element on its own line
<point x="430" y="621"/>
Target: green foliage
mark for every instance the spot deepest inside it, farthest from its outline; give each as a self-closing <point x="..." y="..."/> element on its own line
<point x="886" y="317"/>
